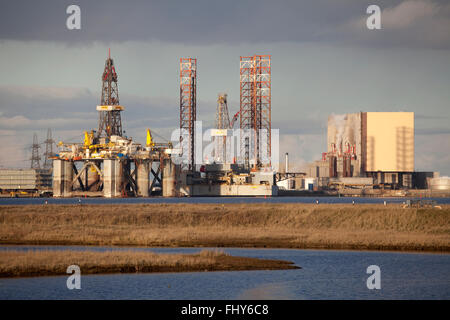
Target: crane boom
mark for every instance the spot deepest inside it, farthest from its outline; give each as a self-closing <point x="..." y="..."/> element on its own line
<point x="234" y="119"/>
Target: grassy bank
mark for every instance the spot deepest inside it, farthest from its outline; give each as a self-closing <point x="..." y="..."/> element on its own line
<point x="332" y="226"/>
<point x="44" y="263"/>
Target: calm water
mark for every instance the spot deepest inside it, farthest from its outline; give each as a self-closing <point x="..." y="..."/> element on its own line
<point x="324" y="275"/>
<point x="19" y="201"/>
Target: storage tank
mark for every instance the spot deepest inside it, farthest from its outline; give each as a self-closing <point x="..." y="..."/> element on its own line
<point x="442" y="183"/>
<point x="92" y="176"/>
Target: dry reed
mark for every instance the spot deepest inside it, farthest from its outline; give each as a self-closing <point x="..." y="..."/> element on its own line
<point x="15" y="263"/>
<point x="362" y="226"/>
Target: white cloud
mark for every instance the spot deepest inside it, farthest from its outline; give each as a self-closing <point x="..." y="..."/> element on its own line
<point x="408" y="13"/>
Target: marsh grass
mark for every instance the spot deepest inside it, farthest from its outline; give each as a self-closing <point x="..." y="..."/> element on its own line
<point x="362" y="226"/>
<point x="15" y="263"/>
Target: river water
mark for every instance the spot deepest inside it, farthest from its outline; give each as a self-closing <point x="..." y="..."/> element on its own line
<point x="325" y="274"/>
<point x="23" y="201"/>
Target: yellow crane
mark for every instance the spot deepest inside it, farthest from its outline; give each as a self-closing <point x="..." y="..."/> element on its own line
<point x="88" y="138"/>
<point x="150" y="142"/>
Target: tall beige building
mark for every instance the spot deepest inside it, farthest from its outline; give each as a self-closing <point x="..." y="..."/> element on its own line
<point x="376" y="141"/>
<point x="389" y="141"/>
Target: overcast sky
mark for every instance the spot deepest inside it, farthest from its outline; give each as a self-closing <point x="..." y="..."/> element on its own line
<point x="324" y="60"/>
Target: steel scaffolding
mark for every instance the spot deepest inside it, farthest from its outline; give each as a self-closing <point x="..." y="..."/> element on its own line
<point x="255" y="107"/>
<point x="188" y="110"/>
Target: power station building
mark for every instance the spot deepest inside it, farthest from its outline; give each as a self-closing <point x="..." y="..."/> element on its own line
<point x="369" y="148"/>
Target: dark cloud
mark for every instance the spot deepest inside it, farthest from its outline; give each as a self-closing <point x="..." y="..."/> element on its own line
<point x="36" y="103"/>
<point x="232" y="22"/>
<point x="174" y="21"/>
<point x="33" y="108"/>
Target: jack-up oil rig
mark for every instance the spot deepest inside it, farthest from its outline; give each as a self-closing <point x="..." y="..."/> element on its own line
<point x="110" y="164"/>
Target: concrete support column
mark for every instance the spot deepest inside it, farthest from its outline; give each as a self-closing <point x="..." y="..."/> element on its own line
<point x="143" y="172"/>
<point x="168" y="178"/>
<point x="58" y="178"/>
<point x="112" y="178"/>
<point x="62" y="178"/>
<point x="68" y="173"/>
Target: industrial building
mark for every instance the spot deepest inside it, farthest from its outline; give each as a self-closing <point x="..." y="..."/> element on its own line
<point x="16" y="182"/>
<point x="369" y="149"/>
<point x="33" y="182"/>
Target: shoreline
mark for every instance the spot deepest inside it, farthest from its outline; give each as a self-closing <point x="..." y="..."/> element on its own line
<point x="375" y="193"/>
<point x="254" y="245"/>
<point x="88" y="246"/>
<point x="367" y="227"/>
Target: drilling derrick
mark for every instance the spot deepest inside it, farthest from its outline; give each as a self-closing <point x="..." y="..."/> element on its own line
<point x="188" y="110"/>
<point x="223" y="124"/>
<point x="35" y="158"/>
<point x="110" y="122"/>
<point x="255" y="108"/>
